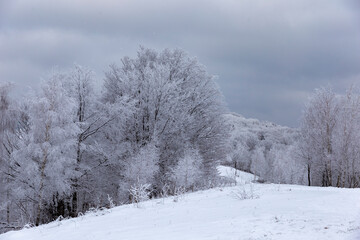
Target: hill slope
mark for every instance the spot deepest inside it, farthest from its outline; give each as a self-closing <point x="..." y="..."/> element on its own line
<point x="280" y="212"/>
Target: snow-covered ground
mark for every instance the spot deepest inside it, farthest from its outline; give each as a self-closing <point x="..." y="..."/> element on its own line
<point x="276" y="212"/>
<point x="239" y="176"/>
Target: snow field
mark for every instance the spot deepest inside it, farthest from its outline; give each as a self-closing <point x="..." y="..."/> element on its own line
<point x="280" y="212"/>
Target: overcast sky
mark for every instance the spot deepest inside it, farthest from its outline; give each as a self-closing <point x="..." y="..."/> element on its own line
<point x="268" y="56"/>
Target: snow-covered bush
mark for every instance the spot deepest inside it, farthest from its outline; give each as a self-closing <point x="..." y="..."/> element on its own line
<point x="245" y="191"/>
<point x="179" y="193"/>
<point x="139" y="192"/>
<point x="111" y="202"/>
<point x="187" y="172"/>
<point x="139" y="170"/>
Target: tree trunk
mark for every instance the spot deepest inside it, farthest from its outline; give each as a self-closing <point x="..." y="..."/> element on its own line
<point x="8" y="198"/>
<point x="38" y="216"/>
<point x="42" y="177"/>
<point x="309" y="175"/>
<point x="74" y="197"/>
<point x="8" y="208"/>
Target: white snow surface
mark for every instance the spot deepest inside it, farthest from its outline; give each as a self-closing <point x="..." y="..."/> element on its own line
<point x="280" y="212"/>
<point x="239" y="176"/>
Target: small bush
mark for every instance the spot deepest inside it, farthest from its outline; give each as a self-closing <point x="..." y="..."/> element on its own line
<point x="139" y="193"/>
<point x="246" y="191"/>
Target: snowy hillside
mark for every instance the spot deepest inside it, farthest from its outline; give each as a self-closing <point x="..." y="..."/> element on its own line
<point x="240" y="123"/>
<point x="265" y="148"/>
<point x="275" y="212"/>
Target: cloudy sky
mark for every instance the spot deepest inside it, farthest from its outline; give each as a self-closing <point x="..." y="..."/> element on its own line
<point x="268" y="56"/>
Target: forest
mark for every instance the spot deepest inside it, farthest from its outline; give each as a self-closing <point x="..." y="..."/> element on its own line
<point x="323" y="151"/>
<point x="158" y="126"/>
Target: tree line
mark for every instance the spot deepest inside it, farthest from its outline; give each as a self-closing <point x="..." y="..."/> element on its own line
<point x="323" y="151"/>
<point x="329" y="143"/>
<point x="157" y="122"/>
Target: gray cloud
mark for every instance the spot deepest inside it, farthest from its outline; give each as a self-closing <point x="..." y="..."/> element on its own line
<point x="268" y="55"/>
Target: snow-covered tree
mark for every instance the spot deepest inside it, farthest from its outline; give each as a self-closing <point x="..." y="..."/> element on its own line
<point x="46" y="155"/>
<point x="330" y="130"/>
<point x="159" y="121"/>
<point x="140" y="169"/>
<point x="90" y="119"/>
<point x="260" y="166"/>
<point x="187" y="172"/>
<point x="304" y="153"/>
<point x="346" y="149"/>
<point x="176" y="103"/>
<point x="318" y="125"/>
<point x="8" y="127"/>
<point x="265" y="149"/>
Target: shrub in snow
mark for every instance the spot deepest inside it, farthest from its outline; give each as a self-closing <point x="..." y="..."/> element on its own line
<point x="111" y="202"/>
<point x="28" y="225"/>
<point x="187" y="171"/>
<point x="139" y="193"/>
<point x="165" y="192"/>
<point x="246" y="191"/>
<point x="139" y="171"/>
<point x="179" y="193"/>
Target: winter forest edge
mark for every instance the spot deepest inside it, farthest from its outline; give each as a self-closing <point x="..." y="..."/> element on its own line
<point x="158" y="127"/>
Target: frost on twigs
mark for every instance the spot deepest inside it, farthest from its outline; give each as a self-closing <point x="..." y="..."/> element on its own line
<point x="111" y="202"/>
<point x="28" y="225"/>
<point x="246" y="191"/>
<point x="179" y="193"/>
<point x="164" y="193"/>
<point x="139" y="192"/>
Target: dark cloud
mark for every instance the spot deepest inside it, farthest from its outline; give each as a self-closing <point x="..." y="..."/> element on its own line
<point x="268" y="55"/>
